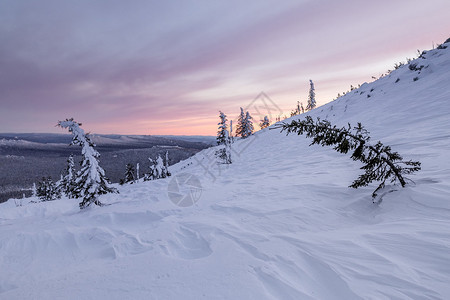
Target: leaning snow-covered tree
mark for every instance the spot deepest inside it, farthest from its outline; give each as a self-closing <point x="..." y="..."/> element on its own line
<point x="311" y="96"/>
<point x="91" y="180"/>
<point x="380" y="162"/>
<point x="67" y="183"/>
<point x="264" y="123"/>
<point x="222" y="128"/>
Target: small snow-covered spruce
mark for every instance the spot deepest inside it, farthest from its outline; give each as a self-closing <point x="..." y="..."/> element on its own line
<point x="380" y="162"/>
<point x="150" y="174"/>
<point x="264" y="123"/>
<point x="158" y="169"/>
<point x="245" y="125"/>
<point x="137" y="172"/>
<point x="311" y="97"/>
<point x="67" y="183"/>
<point x="34" y="190"/>
<point x="91" y="180"/>
<point x="240" y="123"/>
<point x="222" y="127"/>
<point x="166" y="164"/>
<point x="224" y="151"/>
<point x="47" y="190"/>
<point x="129" y="175"/>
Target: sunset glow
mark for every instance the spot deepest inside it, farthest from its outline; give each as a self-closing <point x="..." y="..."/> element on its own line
<point x="168" y="67"/>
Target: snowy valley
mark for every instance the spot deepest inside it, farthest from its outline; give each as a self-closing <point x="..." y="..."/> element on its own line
<point x="280" y="222"/>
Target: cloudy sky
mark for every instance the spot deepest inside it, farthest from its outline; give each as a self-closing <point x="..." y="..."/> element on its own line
<point x="168" y="67"/>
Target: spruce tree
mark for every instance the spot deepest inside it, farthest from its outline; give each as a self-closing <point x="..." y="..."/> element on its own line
<point x="380" y="162"/>
<point x="150" y="175"/>
<point x="68" y="185"/>
<point x="222" y="127"/>
<point x="311" y="97"/>
<point x="34" y="190"/>
<point x="137" y="172"/>
<point x="166" y="164"/>
<point x="129" y="174"/>
<point x="47" y="190"/>
<point x="224" y="151"/>
<point x="264" y="123"/>
<point x="247" y="126"/>
<point x="91" y="180"/>
<point x="240" y="123"/>
<point x="159" y="168"/>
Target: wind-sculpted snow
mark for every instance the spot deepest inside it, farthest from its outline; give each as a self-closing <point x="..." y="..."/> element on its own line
<point x="278" y="223"/>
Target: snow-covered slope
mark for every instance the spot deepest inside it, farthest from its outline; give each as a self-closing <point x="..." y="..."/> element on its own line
<point x="279" y="223"/>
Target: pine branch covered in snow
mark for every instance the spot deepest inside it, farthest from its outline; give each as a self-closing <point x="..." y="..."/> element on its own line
<point x="91" y="180"/>
<point x="380" y="163"/>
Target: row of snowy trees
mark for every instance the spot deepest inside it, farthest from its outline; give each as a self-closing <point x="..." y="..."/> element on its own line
<point x="159" y="168"/>
<point x="90" y="181"/>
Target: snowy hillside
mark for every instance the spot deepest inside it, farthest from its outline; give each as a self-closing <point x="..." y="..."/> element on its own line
<point x="279" y="223"/>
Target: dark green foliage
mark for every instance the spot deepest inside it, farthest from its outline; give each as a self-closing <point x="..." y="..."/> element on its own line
<point x="47" y="190"/>
<point x="129" y="175"/>
<point x="380" y="163"/>
<point x="414" y="67"/>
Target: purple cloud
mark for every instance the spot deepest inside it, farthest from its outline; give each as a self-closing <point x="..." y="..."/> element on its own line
<point x="150" y="66"/>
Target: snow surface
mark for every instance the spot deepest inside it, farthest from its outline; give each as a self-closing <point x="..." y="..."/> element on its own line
<point x="278" y="223"/>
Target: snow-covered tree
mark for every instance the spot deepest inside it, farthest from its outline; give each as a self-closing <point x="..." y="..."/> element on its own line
<point x="67" y="184"/>
<point x="222" y="127"/>
<point x="158" y="168"/>
<point x="129" y="174"/>
<point x="311" y="96"/>
<point x="224" y="151"/>
<point x="380" y="162"/>
<point x="91" y="180"/>
<point x="264" y="123"/>
<point x="137" y="171"/>
<point x="166" y="164"/>
<point x="247" y="126"/>
<point x="47" y="190"/>
<point x="240" y="123"/>
<point x="150" y="174"/>
<point x="231" y="132"/>
<point x="244" y="127"/>
<point x="34" y="190"/>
